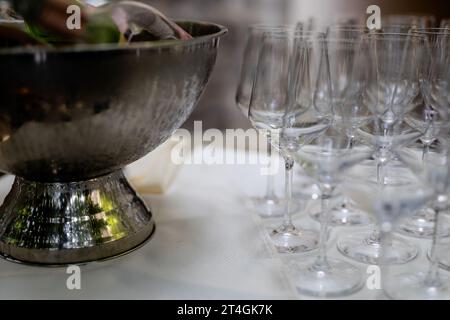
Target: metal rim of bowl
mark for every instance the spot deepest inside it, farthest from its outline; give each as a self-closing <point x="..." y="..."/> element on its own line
<point x="118" y="47"/>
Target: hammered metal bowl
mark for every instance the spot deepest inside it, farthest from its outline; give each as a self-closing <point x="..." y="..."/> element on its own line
<point x="70" y="120"/>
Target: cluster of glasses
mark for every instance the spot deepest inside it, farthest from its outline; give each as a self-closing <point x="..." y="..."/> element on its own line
<point x="364" y="113"/>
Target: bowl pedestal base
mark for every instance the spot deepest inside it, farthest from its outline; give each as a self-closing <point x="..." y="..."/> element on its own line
<point x="62" y="223"/>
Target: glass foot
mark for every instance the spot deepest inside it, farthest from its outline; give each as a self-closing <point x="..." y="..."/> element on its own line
<point x="413" y="286"/>
<point x="345" y="215"/>
<point x="337" y="278"/>
<point x="289" y="239"/>
<point x="421" y="225"/>
<point x="360" y="246"/>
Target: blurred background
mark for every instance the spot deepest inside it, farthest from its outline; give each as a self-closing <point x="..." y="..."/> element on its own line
<point x="217" y="107"/>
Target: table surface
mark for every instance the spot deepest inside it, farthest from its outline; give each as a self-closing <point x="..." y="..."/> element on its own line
<point x="208" y="244"/>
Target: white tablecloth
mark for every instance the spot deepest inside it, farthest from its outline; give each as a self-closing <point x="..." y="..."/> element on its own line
<point x="207" y="245"/>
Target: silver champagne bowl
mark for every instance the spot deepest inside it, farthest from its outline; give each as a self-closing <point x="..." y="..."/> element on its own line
<point x="70" y="120"/>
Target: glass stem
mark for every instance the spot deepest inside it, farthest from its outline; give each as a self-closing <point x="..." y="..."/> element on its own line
<point x="429" y="132"/>
<point x="375" y="236"/>
<point x="380" y="173"/>
<point x="270" y="189"/>
<point x="351" y="141"/>
<point x="432" y="279"/>
<point x="426" y="149"/>
<point x="289" y="164"/>
<point x="321" y="260"/>
<point x="385" y="240"/>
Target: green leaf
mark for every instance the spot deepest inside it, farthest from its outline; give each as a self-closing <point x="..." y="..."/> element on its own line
<point x="43" y="36"/>
<point x="101" y="29"/>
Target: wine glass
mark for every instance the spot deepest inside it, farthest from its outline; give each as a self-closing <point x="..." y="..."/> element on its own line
<point x="427" y="118"/>
<point x="402" y="283"/>
<point x="326" y="159"/>
<point x="393" y="75"/>
<point x="391" y="86"/>
<point x="437" y="86"/>
<point x="434" y="78"/>
<point x="350" y="113"/>
<point x="388" y="204"/>
<point x="270" y="205"/>
<point x="346" y="61"/>
<point x="279" y="63"/>
<point x="323" y="153"/>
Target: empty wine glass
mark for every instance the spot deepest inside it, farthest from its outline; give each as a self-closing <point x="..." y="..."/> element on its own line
<point x="434" y="78"/>
<point x="365" y="245"/>
<point x="388" y="204"/>
<point x="391" y="86"/>
<point x="434" y="173"/>
<point x="326" y="159"/>
<point x="323" y="153"/>
<point x="426" y="118"/>
<point x="350" y="112"/>
<point x="437" y="85"/>
<point x="393" y="75"/>
<point x="278" y="66"/>
<point x="270" y="205"/>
